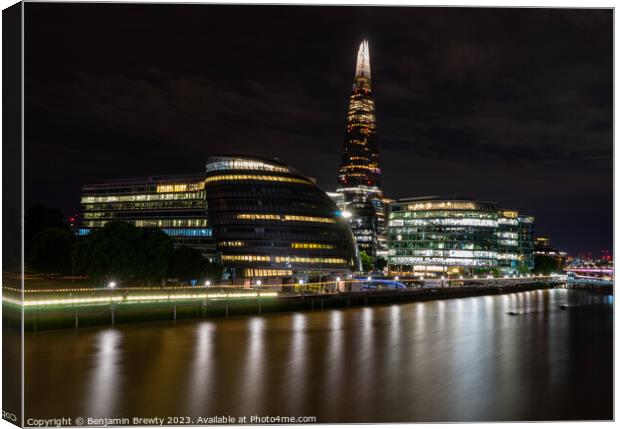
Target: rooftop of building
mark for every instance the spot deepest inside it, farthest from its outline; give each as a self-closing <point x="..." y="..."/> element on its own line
<point x="441" y="198"/>
<point x="275" y="161"/>
<point x="148" y="179"/>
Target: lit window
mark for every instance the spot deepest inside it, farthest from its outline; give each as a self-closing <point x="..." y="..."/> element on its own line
<point x="238" y="177"/>
<point x="312" y="246"/>
<point x="181" y="187"/>
<point x="283" y="218"/>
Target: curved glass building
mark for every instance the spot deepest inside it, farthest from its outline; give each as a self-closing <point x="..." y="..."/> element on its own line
<point x="270" y="221"/>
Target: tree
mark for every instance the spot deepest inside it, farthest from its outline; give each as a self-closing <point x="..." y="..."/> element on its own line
<point x="51" y="250"/>
<point x="522" y="268"/>
<point x="39" y="217"/>
<point x="544" y="264"/>
<point x="110" y="253"/>
<point x="188" y="264"/>
<point x="214" y="272"/>
<point x="155" y="250"/>
<point x="380" y="263"/>
<point x="11" y="238"/>
<point x="366" y="261"/>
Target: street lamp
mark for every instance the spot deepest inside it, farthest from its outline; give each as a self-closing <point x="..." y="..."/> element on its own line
<point x="337" y="279"/>
<point x="258" y="282"/>
<point x="208" y="283"/>
<point x="396" y="278"/>
<point x="112" y="285"/>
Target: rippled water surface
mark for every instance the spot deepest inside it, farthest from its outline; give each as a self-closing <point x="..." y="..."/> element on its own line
<point x="521" y="356"/>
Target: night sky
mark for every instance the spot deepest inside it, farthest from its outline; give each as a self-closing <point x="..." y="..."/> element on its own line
<point x="507" y="105"/>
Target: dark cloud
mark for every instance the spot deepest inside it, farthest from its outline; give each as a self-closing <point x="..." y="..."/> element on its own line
<point x="512" y="105"/>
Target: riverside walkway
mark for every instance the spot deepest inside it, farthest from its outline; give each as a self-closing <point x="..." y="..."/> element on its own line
<point x="74" y="307"/>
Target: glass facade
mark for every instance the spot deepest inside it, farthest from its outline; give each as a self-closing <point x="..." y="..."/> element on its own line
<point x="431" y="237"/>
<point x="176" y="204"/>
<point x="276" y="224"/>
<point x="259" y="217"/>
<point x="359" y="175"/>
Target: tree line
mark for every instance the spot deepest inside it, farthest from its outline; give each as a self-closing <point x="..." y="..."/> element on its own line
<point x="118" y="251"/>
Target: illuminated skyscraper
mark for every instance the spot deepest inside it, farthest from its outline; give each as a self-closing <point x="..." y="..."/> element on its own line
<point x="359" y="174"/>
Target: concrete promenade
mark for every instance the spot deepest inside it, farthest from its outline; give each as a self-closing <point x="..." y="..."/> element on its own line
<point x="81" y="307"/>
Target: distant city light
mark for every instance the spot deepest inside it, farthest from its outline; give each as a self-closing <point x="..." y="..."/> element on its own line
<point x="112" y="285"/>
<point x="207" y="283"/>
<point x="346" y="214"/>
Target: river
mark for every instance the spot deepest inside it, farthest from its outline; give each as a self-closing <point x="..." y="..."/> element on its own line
<point x="538" y="355"/>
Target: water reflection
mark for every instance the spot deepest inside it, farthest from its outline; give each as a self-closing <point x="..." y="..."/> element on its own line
<point x="102" y="389"/>
<point x="334" y="362"/>
<point x="295" y="369"/>
<point x="452" y="360"/>
<point x="253" y="378"/>
<point x="201" y="378"/>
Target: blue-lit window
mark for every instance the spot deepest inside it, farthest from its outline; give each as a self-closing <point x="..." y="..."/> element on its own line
<point x="83" y="231"/>
<point x="188" y="232"/>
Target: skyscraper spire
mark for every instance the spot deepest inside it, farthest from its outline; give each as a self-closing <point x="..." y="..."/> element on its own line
<point x="359" y="178"/>
<point x="363" y="61"/>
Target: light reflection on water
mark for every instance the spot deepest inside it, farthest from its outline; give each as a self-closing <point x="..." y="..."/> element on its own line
<point x="253" y="373"/>
<point x="295" y="364"/>
<point x="450" y="360"/>
<point x="104" y="376"/>
<point x="201" y="377"/>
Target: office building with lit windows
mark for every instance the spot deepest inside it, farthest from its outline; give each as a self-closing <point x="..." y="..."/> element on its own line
<point x="451" y="236"/>
<point x="526" y="240"/>
<point x="176" y="204"/>
<point x="515" y="242"/>
<point x="271" y="221"/>
<point x="359" y="177"/>
<point x="543" y="249"/>
<point x="260" y="218"/>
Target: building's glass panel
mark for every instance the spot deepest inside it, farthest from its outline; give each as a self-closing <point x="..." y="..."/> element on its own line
<point x="432" y="237"/>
